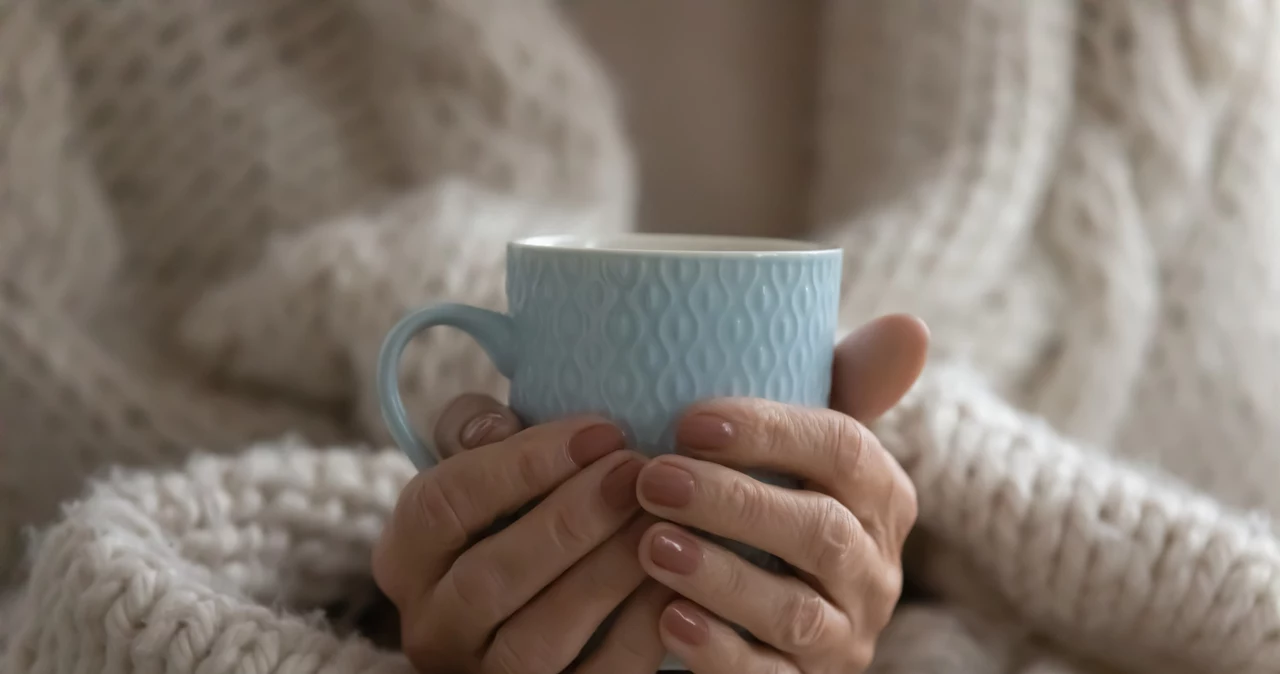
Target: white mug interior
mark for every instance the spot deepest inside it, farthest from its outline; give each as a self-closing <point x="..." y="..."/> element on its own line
<point x="674" y="244"/>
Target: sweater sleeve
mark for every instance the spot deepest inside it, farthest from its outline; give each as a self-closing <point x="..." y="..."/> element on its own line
<point x="1077" y="544"/>
<point x="67" y="405"/>
<point x="933" y="158"/>
<point x="508" y="130"/>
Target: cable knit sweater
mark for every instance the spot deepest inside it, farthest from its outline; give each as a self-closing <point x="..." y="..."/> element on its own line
<point x="210" y="212"/>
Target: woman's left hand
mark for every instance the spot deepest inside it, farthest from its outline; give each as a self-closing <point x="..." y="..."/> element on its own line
<point x="843" y="532"/>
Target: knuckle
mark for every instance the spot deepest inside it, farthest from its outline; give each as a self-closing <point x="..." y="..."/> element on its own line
<point x="805" y="623"/>
<point x="882" y="596"/>
<point x="523" y="652"/>
<point x="879" y="590"/>
<point x="478" y="585"/>
<point x="530" y="469"/>
<point x="613" y="579"/>
<point x="780" y="426"/>
<point x="745" y="660"/>
<point x="736" y="582"/>
<point x="440" y="509"/>
<point x="570" y="529"/>
<point x="891" y="524"/>
<point x="860" y="655"/>
<point x="834" y="539"/>
<point x="908" y="510"/>
<point x="742" y="496"/>
<point x="600" y="580"/>
<point x="847" y="443"/>
<point x="596" y="581"/>
<point x="908" y="502"/>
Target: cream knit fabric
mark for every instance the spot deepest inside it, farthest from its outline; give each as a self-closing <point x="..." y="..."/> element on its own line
<point x="211" y="212"/>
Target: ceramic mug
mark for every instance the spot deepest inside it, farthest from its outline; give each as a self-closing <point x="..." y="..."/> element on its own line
<point x="636" y="327"/>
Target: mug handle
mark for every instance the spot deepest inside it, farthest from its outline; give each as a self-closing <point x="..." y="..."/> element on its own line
<point x="493" y="331"/>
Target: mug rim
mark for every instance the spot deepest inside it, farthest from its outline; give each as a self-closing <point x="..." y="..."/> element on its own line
<point x="683" y="245"/>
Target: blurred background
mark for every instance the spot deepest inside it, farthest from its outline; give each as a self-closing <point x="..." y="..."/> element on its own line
<point x="211" y="212"/>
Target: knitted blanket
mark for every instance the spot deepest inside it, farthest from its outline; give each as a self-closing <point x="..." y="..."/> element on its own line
<point x="211" y="212"/>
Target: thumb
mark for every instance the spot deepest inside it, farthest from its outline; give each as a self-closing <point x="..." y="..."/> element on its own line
<point x="877" y="364"/>
<point x="472" y="421"/>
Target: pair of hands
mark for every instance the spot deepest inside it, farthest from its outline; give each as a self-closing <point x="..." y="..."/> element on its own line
<point x="613" y="529"/>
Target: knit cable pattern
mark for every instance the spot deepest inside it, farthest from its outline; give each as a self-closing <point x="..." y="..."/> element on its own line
<point x="216" y="567"/>
<point x="1117" y="562"/>
<point x="219" y="567"/>
<point x="210" y="213"/>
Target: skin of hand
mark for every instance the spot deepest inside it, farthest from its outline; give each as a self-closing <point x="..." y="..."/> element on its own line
<point x="843" y="532"/>
<point x="475" y="603"/>
<point x="526" y="598"/>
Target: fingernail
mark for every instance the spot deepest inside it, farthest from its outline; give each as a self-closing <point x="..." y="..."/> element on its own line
<point x="674" y="552"/>
<point x="477" y="432"/>
<point x="667" y="485"/>
<point x="685" y="624"/>
<point x="619" y="487"/>
<point x="590" y="444"/>
<point x="704" y="431"/>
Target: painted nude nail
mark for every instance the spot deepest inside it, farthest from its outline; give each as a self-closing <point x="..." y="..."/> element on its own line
<point x="666" y="485"/>
<point x="480" y="429"/>
<point x="675" y="552"/>
<point x="684" y="623"/>
<point x="595" y="442"/>
<point x="618" y="488"/>
<point x="704" y="432"/>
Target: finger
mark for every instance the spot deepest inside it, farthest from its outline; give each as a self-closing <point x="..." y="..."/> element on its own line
<point x="781" y="611"/>
<point x="877" y="364"/>
<point x="811" y="531"/>
<point x="633" y="645"/>
<point x="550" y="631"/>
<point x="829" y="449"/>
<point x="472" y="421"/>
<point x="440" y="510"/>
<point x="707" y="645"/>
<point x="498" y="575"/>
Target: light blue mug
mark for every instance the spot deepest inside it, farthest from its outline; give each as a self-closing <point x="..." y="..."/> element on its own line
<point x="636" y="327"/>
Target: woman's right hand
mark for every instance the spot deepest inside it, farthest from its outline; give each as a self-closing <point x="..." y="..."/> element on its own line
<point x="525" y="599"/>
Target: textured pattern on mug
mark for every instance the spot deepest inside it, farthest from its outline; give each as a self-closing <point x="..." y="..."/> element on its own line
<point x="639" y="337"/>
